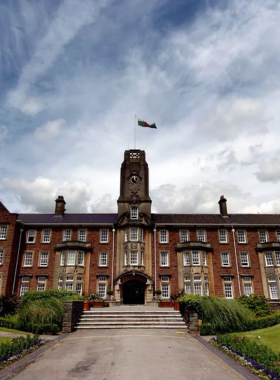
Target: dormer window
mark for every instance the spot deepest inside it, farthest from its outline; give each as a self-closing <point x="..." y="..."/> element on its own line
<point x="134" y="212"/>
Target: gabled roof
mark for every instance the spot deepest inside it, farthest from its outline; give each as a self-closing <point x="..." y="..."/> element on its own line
<point x="68" y="219"/>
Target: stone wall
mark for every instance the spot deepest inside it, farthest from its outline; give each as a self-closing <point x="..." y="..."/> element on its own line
<point x="191" y="318"/>
<point x="72" y="314"/>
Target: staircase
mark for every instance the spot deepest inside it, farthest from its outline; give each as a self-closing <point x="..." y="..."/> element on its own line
<point x="131" y="319"/>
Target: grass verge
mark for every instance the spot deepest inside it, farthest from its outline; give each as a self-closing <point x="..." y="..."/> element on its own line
<point x="12" y="331"/>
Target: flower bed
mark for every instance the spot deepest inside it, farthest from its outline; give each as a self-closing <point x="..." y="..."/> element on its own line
<point x="257" y="358"/>
<point x="9" y="352"/>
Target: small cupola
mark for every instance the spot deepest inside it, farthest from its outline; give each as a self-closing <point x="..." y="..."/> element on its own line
<point x="60" y="205"/>
<point x="223" y="206"/>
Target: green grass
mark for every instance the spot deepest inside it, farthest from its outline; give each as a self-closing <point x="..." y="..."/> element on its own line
<point x="4" y="339"/>
<point x="270" y="337"/>
<point x="12" y="331"/>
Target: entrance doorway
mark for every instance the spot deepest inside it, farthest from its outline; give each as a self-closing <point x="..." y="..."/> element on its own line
<point x="134" y="293"/>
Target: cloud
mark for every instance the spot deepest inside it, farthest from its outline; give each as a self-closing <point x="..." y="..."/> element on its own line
<point x="32" y="106"/>
<point x="104" y="204"/>
<point x="49" y="130"/>
<point x="3" y="133"/>
<point x="269" y="171"/>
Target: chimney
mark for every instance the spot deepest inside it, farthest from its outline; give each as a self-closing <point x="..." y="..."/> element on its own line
<point x="223" y="206"/>
<point x="60" y="205"/>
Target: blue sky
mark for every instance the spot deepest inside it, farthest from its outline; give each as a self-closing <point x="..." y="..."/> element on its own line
<point x="73" y="74"/>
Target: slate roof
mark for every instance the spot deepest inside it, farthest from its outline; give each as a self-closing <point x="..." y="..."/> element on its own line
<point x="68" y="218"/>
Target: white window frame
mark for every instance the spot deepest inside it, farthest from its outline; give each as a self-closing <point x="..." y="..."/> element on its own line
<point x="82" y="235"/>
<point x="204" y="258"/>
<point x="3" y="232"/>
<point x="164" y="258"/>
<point x="81" y="258"/>
<point x="228" y="288"/>
<point x="125" y="258"/>
<point x="277" y="235"/>
<point x="24" y="288"/>
<point x="1" y="256"/>
<point x="133" y="257"/>
<point x="188" y="285"/>
<point x="46" y="236"/>
<point x="141" y="234"/>
<point x="244" y="259"/>
<point x="241" y="237"/>
<point x="67" y="235"/>
<point x="79" y="288"/>
<point x="163" y="236"/>
<point x="31" y="236"/>
<point x="186" y="259"/>
<point x="102" y="286"/>
<point x="103" y="259"/>
<point x="273" y="290"/>
<point x="184" y="236"/>
<point x="206" y="286"/>
<point x="133" y="234"/>
<point x="268" y="259"/>
<point x="247" y="285"/>
<point x="263" y="236"/>
<point x="165" y="290"/>
<point x="62" y="259"/>
<point x="44" y="259"/>
<point x="69" y="286"/>
<point x="195" y="258"/>
<point x="142" y="258"/>
<point x="225" y="259"/>
<point x="104" y="236"/>
<point x="201" y="236"/>
<point x="134" y="212"/>
<point x="277" y="258"/>
<point x="28" y="259"/>
<point x="223" y="237"/>
<point x="71" y="258"/>
<point x="126" y="235"/>
<point x="41" y="283"/>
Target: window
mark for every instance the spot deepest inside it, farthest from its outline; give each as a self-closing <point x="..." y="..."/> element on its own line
<point x="201" y="235"/>
<point x="164" y="259"/>
<point x="103" y="259"/>
<point x="46" y="236"/>
<point x="222" y="236"/>
<point x="44" y="259"/>
<point x="186" y="257"/>
<point x="69" y="285"/>
<point x="263" y="236"/>
<point x="272" y="288"/>
<point x="41" y="283"/>
<point x="268" y="259"/>
<point x="3" y="232"/>
<point x="71" y="255"/>
<point x="248" y="287"/>
<point x="197" y="285"/>
<point x="204" y="259"/>
<point x="184" y="236"/>
<point x="225" y="259"/>
<point x="125" y="258"/>
<point x="79" y="285"/>
<point x="66" y="235"/>
<point x="134" y="212"/>
<point x="23" y="289"/>
<point x="163" y="237"/>
<point x="244" y="259"/>
<point x="133" y="234"/>
<point x="126" y="235"/>
<point x="195" y="258"/>
<point x="228" y="287"/>
<point x="141" y="234"/>
<point x="82" y="235"/>
<point x="278" y="235"/>
<point x="81" y="258"/>
<point x="28" y="259"/>
<point x="102" y="286"/>
<point x="104" y="236"/>
<point x="206" y="286"/>
<point x="142" y="258"/>
<point x="31" y="236"/>
<point x="1" y="256"/>
<point x="133" y="257"/>
<point x="188" y="287"/>
<point x="62" y="258"/>
<point x="165" y="287"/>
<point x="241" y="236"/>
<point x="277" y="258"/>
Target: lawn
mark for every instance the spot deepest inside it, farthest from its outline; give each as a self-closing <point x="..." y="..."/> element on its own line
<point x="4" y="339"/>
<point x="269" y="337"/>
<point x="12" y="331"/>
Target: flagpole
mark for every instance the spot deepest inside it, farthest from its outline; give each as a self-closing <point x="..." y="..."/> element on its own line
<point x="135" y="133"/>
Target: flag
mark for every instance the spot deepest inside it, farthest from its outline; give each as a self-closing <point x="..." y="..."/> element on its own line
<point x="143" y="123"/>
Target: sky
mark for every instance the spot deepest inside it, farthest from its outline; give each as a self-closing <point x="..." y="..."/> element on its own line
<point x="73" y="75"/>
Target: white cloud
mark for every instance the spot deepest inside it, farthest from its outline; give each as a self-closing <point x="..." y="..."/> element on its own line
<point x="269" y="171"/>
<point x="32" y="106"/>
<point x="3" y="133"/>
<point x="49" y="130"/>
<point x="104" y="204"/>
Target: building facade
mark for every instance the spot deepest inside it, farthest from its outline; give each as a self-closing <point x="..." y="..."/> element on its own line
<point x="135" y="252"/>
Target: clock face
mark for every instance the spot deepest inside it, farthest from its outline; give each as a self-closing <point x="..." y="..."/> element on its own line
<point x="134" y="179"/>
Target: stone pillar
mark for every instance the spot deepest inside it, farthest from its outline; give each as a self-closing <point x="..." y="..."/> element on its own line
<point x="193" y="323"/>
<point x="72" y="314"/>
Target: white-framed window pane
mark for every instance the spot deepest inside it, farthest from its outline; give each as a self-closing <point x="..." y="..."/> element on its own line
<point x="1" y="256"/>
<point x="225" y="259"/>
<point x="62" y="258"/>
<point x="133" y="234"/>
<point x="102" y="290"/>
<point x="278" y="235"/>
<point x="195" y="258"/>
<point x="228" y="290"/>
<point x="44" y="259"/>
<point x="204" y="258"/>
<point x="273" y="291"/>
<point x="3" y="232"/>
<point x="46" y="236"/>
<point x="201" y="236"/>
<point x="248" y="289"/>
<point x="184" y="236"/>
<point x="277" y="258"/>
<point x="71" y="255"/>
<point x="188" y="288"/>
<point x="241" y="236"/>
<point x="164" y="279"/>
<point x="41" y="287"/>
<point x="263" y="236"/>
<point x="197" y="288"/>
<point x="103" y="259"/>
<point x="69" y="286"/>
<point x="23" y="289"/>
<point x="223" y="236"/>
<point x="206" y="289"/>
<point x="82" y="235"/>
<point x="163" y="236"/>
<point x="164" y="290"/>
<point x="104" y="236"/>
<point x="66" y="235"/>
<point x="28" y="259"/>
<point x="133" y="257"/>
<point x="25" y="279"/>
<point x="164" y="259"/>
<point x="102" y="279"/>
<point x="244" y="258"/>
<point x="31" y="236"/>
<point x="125" y="258"/>
<point x="60" y="286"/>
<point x="81" y="258"/>
<point x="79" y="288"/>
<point x="142" y="258"/>
<point x="141" y="234"/>
<point x="268" y="259"/>
<point x="134" y="212"/>
<point x="186" y="256"/>
<point x="126" y="236"/>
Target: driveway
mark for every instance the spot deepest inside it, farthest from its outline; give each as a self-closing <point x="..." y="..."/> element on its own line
<point x="129" y="355"/>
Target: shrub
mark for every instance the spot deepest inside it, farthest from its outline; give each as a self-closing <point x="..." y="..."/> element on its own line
<point x="206" y="329"/>
<point x="8" y="305"/>
<point x="47" y="294"/>
<point x="263" y="322"/>
<point x="257" y="304"/>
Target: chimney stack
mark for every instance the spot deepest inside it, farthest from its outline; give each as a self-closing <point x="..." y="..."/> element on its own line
<point x="60" y="205"/>
<point x="223" y="206"/>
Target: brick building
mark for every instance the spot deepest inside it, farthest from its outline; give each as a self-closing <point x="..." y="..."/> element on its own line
<point x="135" y="252"/>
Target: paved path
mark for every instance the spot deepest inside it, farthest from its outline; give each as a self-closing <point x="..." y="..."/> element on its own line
<point x="129" y="355"/>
